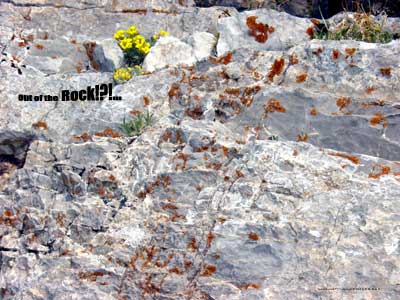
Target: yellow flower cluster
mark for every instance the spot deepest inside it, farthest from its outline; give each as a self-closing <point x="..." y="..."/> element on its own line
<point x="161" y="33"/>
<point x="122" y="74"/>
<point x="141" y="44"/>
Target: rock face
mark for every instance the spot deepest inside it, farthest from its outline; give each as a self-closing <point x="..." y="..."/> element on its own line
<point x="271" y="172"/>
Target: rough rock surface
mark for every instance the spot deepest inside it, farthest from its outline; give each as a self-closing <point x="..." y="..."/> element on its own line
<point x="271" y="172"/>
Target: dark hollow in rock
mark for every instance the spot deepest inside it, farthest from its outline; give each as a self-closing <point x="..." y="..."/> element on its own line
<point x="13" y="148"/>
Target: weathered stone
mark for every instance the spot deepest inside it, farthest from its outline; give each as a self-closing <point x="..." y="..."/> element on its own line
<point x="270" y="172"/>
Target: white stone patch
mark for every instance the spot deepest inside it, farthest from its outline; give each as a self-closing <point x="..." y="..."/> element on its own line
<point x="133" y="236"/>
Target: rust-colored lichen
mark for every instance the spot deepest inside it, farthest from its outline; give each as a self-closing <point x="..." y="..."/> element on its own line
<point x="313" y="111"/>
<point x="192" y="245"/>
<point x="223" y="59"/>
<point x="30" y="37"/>
<point x="369" y="90"/>
<point x="254" y="236"/>
<point x="335" y="54"/>
<point x="176" y="271"/>
<point x="39" y="46"/>
<point x="318" y="51"/>
<point x="377" y="119"/>
<point x="350" y="52"/>
<point x="248" y="286"/>
<point x="274" y="105"/>
<point x="146" y="100"/>
<point x="84" y="137"/>
<point x="354" y="159"/>
<point x="293" y="59"/>
<point x="233" y="91"/>
<point x="40" y="125"/>
<point x="276" y="69"/>
<point x="310" y="31"/>
<point x="108" y="132"/>
<point x="259" y="31"/>
<point x="174" y="91"/>
<point x="303" y="137"/>
<point x="210" y="238"/>
<point x="208" y="270"/>
<point x="343" y="102"/>
<point x="379" y="170"/>
<point x="91" y="276"/>
<point x="301" y="77"/>
<point x="386" y="71"/>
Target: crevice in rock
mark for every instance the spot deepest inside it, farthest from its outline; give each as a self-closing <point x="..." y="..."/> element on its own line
<point x="13" y="149"/>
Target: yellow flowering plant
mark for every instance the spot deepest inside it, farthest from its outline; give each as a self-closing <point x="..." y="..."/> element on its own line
<point x="135" y="47"/>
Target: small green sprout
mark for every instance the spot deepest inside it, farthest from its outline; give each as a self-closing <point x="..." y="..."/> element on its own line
<point x="137" y="124"/>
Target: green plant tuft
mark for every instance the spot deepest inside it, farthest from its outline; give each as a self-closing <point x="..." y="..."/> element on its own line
<point x="137" y="124"/>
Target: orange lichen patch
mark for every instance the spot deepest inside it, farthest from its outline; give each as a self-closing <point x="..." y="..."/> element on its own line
<point x="377" y="119"/>
<point x="301" y="78"/>
<point x="254" y="236"/>
<point x="379" y="170"/>
<point x="233" y="91"/>
<point x="101" y="191"/>
<point x="354" y="159"/>
<point x="40" y="125"/>
<point x="386" y="71"/>
<point x="223" y="59"/>
<point x="318" y="51"/>
<point x="259" y="31"/>
<point x="60" y="219"/>
<point x="302" y="137"/>
<point x="169" y="206"/>
<point x="274" y="105"/>
<point x="108" y="132"/>
<point x="79" y="67"/>
<point x="310" y="31"/>
<point x="192" y="245"/>
<point x="276" y="69"/>
<point x="251" y="286"/>
<point x="196" y="113"/>
<point x="239" y="174"/>
<point x="175" y="270"/>
<point x="83" y="137"/>
<point x="315" y="22"/>
<point x="252" y="90"/>
<point x="210" y="238"/>
<point x="343" y="102"/>
<point x="65" y="252"/>
<point x="22" y="44"/>
<point x="146" y="100"/>
<point x="208" y="270"/>
<point x="92" y="276"/>
<point x="30" y="37"/>
<point x="293" y="59"/>
<point x="313" y="111"/>
<point x="46" y="36"/>
<point x="350" y="52"/>
<point x="39" y="46"/>
<point x="73" y="42"/>
<point x="369" y="90"/>
<point x="335" y="54"/>
<point x="174" y="91"/>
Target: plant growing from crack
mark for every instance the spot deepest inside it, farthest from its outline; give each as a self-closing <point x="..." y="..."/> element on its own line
<point x="361" y="26"/>
<point x="137" y="124"/>
<point x="135" y="48"/>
